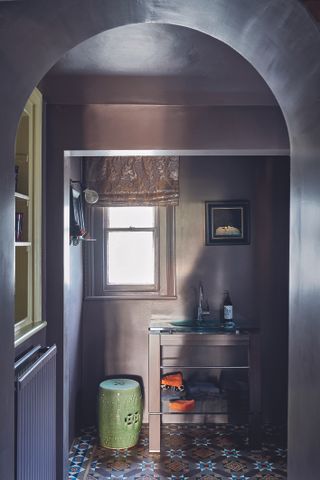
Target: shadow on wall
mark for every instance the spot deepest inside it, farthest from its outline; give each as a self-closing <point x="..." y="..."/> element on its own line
<point x="257" y="275"/>
<point x="115" y="332"/>
<point x="112" y="344"/>
<point x="94" y="345"/>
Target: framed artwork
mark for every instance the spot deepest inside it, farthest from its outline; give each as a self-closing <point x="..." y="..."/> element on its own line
<point x="227" y="222"/>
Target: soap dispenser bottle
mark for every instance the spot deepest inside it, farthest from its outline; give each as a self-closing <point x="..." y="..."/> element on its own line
<point x="227" y="311"/>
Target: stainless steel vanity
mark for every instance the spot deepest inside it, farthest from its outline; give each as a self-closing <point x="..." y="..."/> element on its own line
<point x="216" y="340"/>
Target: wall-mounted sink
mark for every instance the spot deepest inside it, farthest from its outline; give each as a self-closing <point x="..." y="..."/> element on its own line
<point x="193" y="325"/>
<point x="190" y="326"/>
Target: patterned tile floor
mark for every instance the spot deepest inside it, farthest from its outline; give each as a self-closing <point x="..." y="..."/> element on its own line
<point x="188" y="452"/>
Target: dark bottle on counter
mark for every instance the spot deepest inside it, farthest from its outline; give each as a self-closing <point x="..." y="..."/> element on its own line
<point x="227" y="311"/>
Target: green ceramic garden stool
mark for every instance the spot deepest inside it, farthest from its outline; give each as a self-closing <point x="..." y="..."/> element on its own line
<point x="120" y="413"/>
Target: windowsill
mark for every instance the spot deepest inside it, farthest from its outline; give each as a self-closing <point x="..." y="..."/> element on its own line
<point x="28" y="332"/>
<point x="131" y="297"/>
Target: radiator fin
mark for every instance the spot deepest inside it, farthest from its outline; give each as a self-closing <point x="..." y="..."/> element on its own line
<point x="36" y="417"/>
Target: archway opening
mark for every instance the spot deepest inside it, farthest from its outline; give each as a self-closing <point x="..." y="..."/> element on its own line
<point x="282" y="42"/>
<point x="207" y="112"/>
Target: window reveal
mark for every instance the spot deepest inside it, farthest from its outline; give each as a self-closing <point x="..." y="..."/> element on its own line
<point x="134" y="255"/>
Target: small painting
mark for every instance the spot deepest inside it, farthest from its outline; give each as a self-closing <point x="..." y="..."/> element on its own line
<point x="227" y="222"/>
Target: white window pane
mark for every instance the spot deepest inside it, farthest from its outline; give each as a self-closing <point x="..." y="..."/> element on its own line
<point x="124" y="217"/>
<point x="131" y="258"/>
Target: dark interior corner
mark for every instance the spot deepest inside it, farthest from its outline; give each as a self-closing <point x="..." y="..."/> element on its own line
<point x="242" y="113"/>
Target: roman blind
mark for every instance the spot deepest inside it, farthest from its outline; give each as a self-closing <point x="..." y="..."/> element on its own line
<point x="134" y="180"/>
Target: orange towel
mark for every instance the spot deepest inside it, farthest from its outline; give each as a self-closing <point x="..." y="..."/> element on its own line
<point x="182" y="405"/>
<point x="172" y="379"/>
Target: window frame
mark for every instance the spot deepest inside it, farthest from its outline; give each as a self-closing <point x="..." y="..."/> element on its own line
<point x="95" y="256"/>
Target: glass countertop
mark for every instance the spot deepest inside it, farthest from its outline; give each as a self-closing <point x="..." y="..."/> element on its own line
<point x="191" y="326"/>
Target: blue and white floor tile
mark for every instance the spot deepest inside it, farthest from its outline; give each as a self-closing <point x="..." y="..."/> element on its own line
<point x="217" y="452"/>
<point x="81" y="453"/>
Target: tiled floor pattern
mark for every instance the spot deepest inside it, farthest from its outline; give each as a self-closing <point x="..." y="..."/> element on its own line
<point x="189" y="452"/>
<point x="81" y="454"/>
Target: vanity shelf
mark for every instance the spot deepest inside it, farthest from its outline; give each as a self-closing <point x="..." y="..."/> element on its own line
<point x="184" y="356"/>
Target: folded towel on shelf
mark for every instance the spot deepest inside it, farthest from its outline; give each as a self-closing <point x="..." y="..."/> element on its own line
<point x="174" y="379"/>
<point x="182" y="405"/>
<point x="172" y="387"/>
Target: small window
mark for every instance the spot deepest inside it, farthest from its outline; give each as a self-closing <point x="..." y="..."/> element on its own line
<point x="133" y="255"/>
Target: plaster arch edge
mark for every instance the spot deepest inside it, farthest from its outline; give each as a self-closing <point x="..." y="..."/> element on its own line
<point x="210" y="17"/>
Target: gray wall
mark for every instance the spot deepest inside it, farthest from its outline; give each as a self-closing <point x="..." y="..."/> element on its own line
<point x="256" y="275"/>
<point x="37" y="339"/>
<point x="64" y="300"/>
<point x="73" y="321"/>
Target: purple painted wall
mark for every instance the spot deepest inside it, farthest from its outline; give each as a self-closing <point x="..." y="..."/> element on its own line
<point x="256" y="275"/>
<point x="162" y="127"/>
<point x="141" y="127"/>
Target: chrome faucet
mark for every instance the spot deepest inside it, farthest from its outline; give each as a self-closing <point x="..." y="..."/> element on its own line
<point x="201" y="310"/>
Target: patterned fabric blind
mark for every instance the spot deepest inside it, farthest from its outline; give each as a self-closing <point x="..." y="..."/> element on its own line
<point x="136" y="180"/>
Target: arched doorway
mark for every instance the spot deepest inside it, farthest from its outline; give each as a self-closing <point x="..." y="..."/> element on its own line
<point x="281" y="41"/>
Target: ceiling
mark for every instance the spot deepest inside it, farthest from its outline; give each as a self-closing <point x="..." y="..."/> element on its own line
<point x="155" y="64"/>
